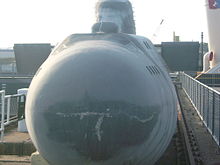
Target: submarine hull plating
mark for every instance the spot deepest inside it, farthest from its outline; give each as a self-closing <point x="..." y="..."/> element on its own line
<point x="98" y="103"/>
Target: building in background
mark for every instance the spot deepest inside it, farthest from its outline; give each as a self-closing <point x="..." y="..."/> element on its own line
<point x="7" y="61"/>
<point x="183" y="56"/>
<point x="25" y="59"/>
<point x="29" y="57"/>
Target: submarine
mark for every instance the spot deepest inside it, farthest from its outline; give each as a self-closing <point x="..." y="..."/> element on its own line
<point x="103" y="98"/>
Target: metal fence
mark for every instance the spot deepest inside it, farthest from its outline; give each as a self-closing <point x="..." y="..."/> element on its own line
<point x="206" y="102"/>
<point x="10" y="105"/>
<point x="2" y="102"/>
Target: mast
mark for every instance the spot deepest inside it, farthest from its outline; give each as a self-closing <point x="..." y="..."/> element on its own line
<point x="117" y="12"/>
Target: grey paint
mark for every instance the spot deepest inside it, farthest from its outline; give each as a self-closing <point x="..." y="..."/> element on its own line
<point x="106" y="27"/>
<point x="102" y="99"/>
<point x="29" y="57"/>
<point x="118" y="12"/>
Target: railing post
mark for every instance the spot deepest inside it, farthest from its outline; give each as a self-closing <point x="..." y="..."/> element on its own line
<point x="8" y="108"/>
<point x="207" y="112"/>
<point x="3" y="114"/>
<point x="197" y="96"/>
<point x="190" y="88"/>
<point x="213" y="114"/>
<point x="204" y="103"/>
<point x="201" y="97"/>
<point x="192" y="96"/>
<point x="218" y="120"/>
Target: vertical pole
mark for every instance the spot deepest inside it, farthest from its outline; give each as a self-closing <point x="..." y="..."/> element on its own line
<point x="202" y="51"/>
<point x="199" y="100"/>
<point x="190" y="87"/>
<point x="174" y="37"/>
<point x="218" y="120"/>
<point x="204" y="103"/>
<point x="192" y="90"/>
<point x="8" y="109"/>
<point x="3" y="114"/>
<point x="201" y="97"/>
<point x="213" y="114"/>
<point x="197" y="94"/>
<point x="207" y="112"/>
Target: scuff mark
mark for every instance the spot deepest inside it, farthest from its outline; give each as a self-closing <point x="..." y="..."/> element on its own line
<point x="83" y="114"/>
<point x="98" y="127"/>
<point x="101" y="116"/>
<point x="143" y="120"/>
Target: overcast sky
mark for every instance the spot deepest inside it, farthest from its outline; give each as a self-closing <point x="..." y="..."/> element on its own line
<point x="50" y="21"/>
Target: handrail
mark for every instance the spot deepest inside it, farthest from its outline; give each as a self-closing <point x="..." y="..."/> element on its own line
<point x="206" y="101"/>
<point x="201" y="83"/>
<point x="6" y="102"/>
<point x="15" y="95"/>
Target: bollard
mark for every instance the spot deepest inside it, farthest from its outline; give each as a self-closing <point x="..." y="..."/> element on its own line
<point x="21" y="110"/>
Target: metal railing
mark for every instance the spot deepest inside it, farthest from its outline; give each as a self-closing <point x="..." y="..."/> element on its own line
<point x="9" y="109"/>
<point x="206" y="102"/>
<point x="2" y="93"/>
